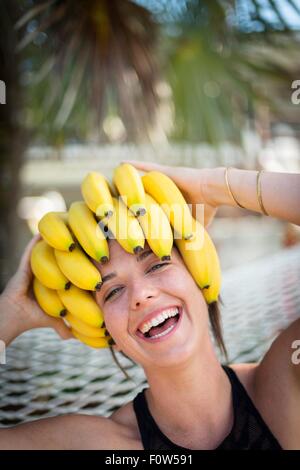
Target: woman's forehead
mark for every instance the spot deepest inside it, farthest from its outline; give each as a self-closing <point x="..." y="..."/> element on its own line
<point x="117" y="256"/>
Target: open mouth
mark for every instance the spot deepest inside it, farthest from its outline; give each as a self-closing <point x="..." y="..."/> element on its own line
<point x="161" y="327"/>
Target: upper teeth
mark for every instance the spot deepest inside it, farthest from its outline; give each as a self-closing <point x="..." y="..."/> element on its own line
<point x="160" y="318"/>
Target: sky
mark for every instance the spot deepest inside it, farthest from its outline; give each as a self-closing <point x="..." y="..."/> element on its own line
<point x="172" y="8"/>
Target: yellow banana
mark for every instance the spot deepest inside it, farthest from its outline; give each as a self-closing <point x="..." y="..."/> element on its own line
<point x="157" y="229"/>
<point x="202" y="261"/>
<point x="82" y="305"/>
<point x="79" y="269"/>
<point x="45" y="267"/>
<point x="96" y="193"/>
<point x="125" y="228"/>
<point x="54" y="231"/>
<point x="211" y="293"/>
<point x="48" y="300"/>
<point x="167" y="194"/>
<point x="112" y="187"/>
<point x="88" y="233"/>
<point x="130" y="187"/>
<point x="92" y="342"/>
<point x="83" y="328"/>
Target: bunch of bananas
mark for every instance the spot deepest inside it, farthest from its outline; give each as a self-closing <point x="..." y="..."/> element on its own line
<point x="148" y="208"/>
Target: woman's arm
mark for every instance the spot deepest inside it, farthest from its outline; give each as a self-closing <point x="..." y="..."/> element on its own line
<point x="280" y="191"/>
<point x="67" y="432"/>
<point x="10" y="326"/>
<point x="277" y="381"/>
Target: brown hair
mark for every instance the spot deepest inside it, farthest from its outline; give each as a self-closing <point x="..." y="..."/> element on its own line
<point x="215" y="323"/>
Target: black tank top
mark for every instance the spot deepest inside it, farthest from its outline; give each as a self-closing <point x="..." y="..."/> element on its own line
<point x="249" y="431"/>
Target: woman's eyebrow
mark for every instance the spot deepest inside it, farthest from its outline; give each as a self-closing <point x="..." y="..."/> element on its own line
<point x="144" y="255"/>
<point x="140" y="257"/>
<point x="108" y="277"/>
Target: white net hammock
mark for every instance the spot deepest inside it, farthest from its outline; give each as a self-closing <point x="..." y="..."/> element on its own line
<point x="45" y="376"/>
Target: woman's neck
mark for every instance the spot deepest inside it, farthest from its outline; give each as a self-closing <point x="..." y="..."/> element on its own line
<point x="192" y="403"/>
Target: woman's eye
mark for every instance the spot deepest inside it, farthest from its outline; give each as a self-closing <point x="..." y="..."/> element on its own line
<point x="157" y="266"/>
<point x="117" y="289"/>
<point x="112" y="293"/>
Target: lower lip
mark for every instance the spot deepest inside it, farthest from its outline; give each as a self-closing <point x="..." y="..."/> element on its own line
<point x="162" y="338"/>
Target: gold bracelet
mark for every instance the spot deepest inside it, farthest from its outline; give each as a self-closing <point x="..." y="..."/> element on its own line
<point x="258" y="191"/>
<point x="229" y="190"/>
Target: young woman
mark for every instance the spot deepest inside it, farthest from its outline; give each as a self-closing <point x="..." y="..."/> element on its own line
<point x="193" y="402"/>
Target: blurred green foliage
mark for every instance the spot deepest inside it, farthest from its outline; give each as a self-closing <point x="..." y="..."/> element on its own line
<point x="85" y="61"/>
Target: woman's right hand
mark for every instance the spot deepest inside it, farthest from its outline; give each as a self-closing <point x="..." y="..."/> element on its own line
<point x="192" y="182"/>
<point x="19" y="311"/>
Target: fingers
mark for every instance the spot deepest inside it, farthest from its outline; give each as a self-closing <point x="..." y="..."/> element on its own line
<point x="39" y="319"/>
<point x="65" y="334"/>
<point x="61" y="328"/>
<point x="24" y="262"/>
<point x="173" y="172"/>
<point x="20" y="282"/>
<point x="146" y="166"/>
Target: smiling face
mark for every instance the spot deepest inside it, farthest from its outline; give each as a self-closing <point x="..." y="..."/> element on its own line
<point x="140" y="292"/>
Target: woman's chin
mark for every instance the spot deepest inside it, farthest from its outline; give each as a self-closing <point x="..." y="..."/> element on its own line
<point x="172" y="359"/>
<point x="171" y="349"/>
<point x="179" y="351"/>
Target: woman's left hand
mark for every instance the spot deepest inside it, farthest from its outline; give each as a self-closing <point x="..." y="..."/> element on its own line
<point x="18" y="305"/>
<point x="192" y="183"/>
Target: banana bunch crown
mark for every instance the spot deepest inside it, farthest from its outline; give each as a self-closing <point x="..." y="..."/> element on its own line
<point x="149" y="208"/>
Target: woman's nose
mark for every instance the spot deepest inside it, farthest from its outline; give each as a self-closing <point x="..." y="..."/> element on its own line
<point x="138" y="303"/>
<point x="141" y="292"/>
<point x="141" y="296"/>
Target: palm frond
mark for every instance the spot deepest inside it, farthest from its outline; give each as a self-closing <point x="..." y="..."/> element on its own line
<point x="121" y="66"/>
<point x="45" y="69"/>
<point x="72" y="91"/>
<point x="295" y="7"/>
<point x="282" y="21"/>
<point x="34" y="11"/>
<point x="218" y="67"/>
<point x="57" y="15"/>
<point x="216" y="70"/>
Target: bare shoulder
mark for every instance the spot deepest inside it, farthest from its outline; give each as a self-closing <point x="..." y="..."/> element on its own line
<point x="125" y="416"/>
<point x="278" y="374"/>
<point x="274" y="384"/>
<point x="246" y="374"/>
<point x="68" y="432"/>
<point x="277" y="386"/>
<point x="282" y="360"/>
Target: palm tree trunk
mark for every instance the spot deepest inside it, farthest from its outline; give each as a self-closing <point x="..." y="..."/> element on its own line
<point x="12" y="142"/>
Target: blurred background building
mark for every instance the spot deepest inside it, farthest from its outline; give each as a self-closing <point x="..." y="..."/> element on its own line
<point x="200" y="83"/>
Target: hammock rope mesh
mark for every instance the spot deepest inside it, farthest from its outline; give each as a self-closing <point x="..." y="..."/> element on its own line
<point x="45" y="376"/>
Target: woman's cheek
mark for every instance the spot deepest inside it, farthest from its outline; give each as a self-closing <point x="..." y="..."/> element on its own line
<point x="115" y="317"/>
<point x="176" y="281"/>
